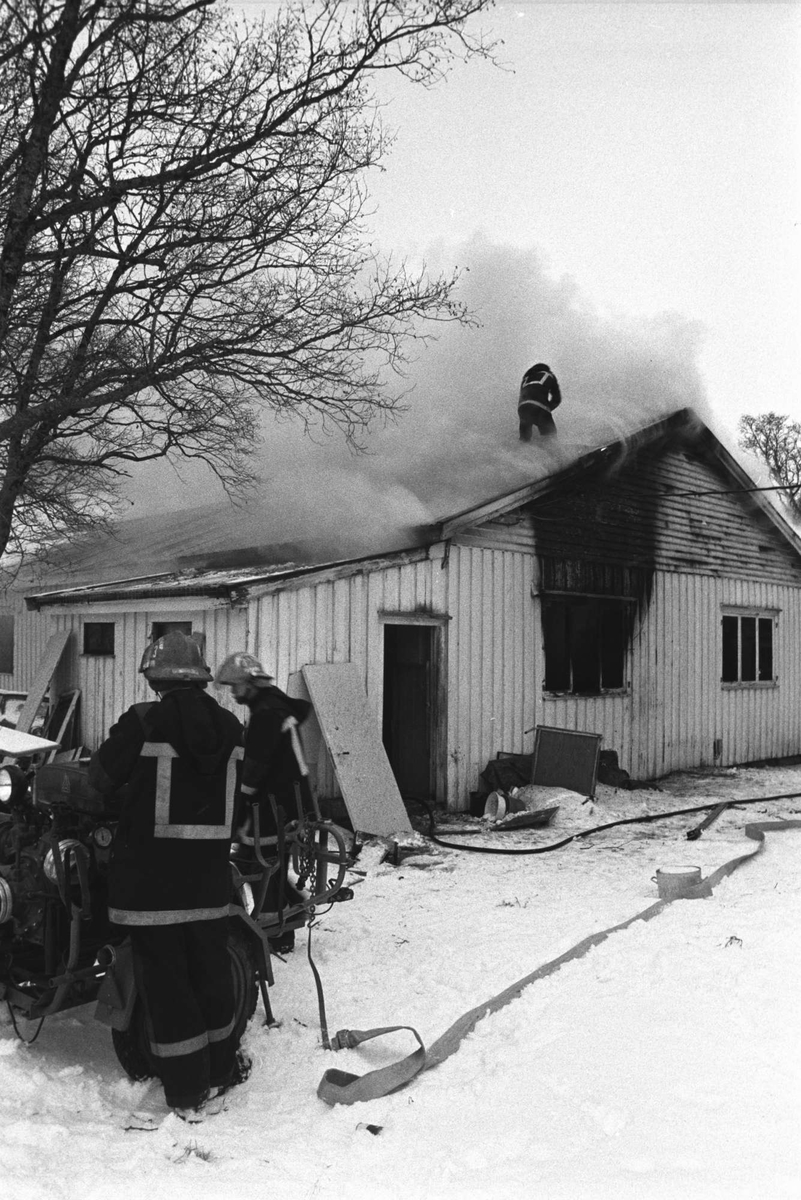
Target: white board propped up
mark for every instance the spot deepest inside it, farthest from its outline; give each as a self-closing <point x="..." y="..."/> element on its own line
<point x="50" y="660"/>
<point x="23" y="745"/>
<point x="353" y="739"/>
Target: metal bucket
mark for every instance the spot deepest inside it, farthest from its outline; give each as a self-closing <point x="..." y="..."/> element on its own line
<point x="676" y="883"/>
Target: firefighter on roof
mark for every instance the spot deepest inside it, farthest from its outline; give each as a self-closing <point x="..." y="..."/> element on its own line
<point x="273" y="771"/>
<point x="539" y="396"/>
<point x="169" y="768"/>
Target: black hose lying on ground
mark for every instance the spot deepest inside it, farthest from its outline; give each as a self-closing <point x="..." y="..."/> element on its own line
<point x="676" y="812"/>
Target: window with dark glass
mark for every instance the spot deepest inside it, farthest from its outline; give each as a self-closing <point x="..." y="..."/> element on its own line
<point x="98" y="637"/>
<point x="6" y="643"/>
<point x="585" y="640"/>
<point x="162" y="628"/>
<point x="746" y="648"/>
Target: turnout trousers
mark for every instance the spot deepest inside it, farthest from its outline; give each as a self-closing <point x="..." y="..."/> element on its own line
<point x="532" y="416"/>
<point x="184" y="977"/>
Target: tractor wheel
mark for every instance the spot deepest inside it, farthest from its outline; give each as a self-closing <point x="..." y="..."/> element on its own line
<point x="132" y="1045"/>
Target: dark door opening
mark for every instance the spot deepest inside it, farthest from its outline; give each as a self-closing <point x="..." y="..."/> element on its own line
<point x="409" y="692"/>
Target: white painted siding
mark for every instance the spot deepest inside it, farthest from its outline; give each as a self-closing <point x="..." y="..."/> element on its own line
<point x="339" y="621"/>
<point x="31" y="632"/>
<point x="489" y="652"/>
<point x="676" y="707"/>
<point x="110" y="684"/>
<point x="491" y="662"/>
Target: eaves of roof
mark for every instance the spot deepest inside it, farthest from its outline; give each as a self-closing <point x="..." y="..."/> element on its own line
<point x="236" y="586"/>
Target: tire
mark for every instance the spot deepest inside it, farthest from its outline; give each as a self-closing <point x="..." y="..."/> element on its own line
<point x="244" y="971"/>
<point x="132" y="1045"/>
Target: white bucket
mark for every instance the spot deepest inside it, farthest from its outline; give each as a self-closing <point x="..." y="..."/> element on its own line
<point x="675" y="883"/>
<point x="495" y="807"/>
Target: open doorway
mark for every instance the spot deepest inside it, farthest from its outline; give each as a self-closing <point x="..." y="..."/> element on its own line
<point x="410" y="706"/>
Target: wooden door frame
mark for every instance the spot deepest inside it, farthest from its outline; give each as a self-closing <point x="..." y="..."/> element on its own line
<point x="438" y="622"/>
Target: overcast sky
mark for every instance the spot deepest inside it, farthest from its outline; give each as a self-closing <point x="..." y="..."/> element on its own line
<point x="633" y="171"/>
<point x="648" y="151"/>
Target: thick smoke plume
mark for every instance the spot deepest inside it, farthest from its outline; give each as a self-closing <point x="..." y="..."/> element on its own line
<point x="457" y="442"/>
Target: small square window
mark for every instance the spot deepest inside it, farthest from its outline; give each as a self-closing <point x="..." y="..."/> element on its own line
<point x="98" y="638"/>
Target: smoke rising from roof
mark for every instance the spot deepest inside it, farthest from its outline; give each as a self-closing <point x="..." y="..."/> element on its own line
<point x="457" y="442"/>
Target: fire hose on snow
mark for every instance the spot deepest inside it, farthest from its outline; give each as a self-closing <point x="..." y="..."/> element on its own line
<point x="342" y="1087"/>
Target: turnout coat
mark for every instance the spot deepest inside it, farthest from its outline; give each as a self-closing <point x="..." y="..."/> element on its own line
<point x="271" y="765"/>
<point x="169" y="768"/>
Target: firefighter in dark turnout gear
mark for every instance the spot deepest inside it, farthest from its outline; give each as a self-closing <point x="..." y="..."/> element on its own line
<point x="168" y="767"/>
<point x="539" y="396"/>
<point x="272" y="770"/>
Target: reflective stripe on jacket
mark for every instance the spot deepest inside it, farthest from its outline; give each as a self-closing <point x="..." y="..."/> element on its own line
<point x="170" y="770"/>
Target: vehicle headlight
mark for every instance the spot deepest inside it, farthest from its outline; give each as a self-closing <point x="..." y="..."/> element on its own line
<point x="10" y="779"/>
<point x="50" y="868"/>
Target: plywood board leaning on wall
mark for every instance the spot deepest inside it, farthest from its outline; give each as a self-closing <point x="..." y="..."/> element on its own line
<point x="44" y="673"/>
<point x="353" y="737"/>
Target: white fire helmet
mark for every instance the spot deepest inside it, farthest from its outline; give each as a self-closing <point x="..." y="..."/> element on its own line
<point x="242" y="668"/>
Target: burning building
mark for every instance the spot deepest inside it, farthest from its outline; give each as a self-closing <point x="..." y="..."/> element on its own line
<point x="641" y="592"/>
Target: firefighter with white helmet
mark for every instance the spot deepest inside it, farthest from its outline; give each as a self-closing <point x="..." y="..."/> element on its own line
<point x="168" y="767"/>
<point x="240" y="671"/>
<point x="273" y="769"/>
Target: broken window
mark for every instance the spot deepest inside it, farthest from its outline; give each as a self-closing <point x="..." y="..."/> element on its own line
<point x="585" y="640"/>
<point x="747" y="647"/>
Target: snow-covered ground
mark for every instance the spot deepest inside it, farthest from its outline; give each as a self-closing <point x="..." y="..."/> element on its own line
<point x="663" y="1065"/>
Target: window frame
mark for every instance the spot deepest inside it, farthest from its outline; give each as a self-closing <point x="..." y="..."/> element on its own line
<point x="9" y="643"/>
<point x="599" y="607"/>
<point x="159" y="629"/>
<point x="86" y="653"/>
<point x="741" y="613"/>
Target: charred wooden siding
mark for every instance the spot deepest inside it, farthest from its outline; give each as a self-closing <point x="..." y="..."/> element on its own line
<point x="632" y="531"/>
<point x="640" y="515"/>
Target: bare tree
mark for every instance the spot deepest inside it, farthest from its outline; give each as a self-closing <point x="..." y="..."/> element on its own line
<point x="776" y="440"/>
<point x="182" y="202"/>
